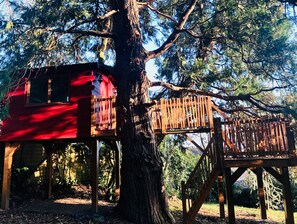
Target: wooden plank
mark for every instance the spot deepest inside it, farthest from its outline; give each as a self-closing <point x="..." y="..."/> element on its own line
<point x="10" y="149"/>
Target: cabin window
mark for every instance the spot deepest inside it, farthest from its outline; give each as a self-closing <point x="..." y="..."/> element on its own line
<point x="43" y="91"/>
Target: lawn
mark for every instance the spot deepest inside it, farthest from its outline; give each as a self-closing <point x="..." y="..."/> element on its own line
<point x="210" y="213"/>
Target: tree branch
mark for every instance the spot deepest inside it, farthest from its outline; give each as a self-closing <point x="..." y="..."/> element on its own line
<point x="87" y="33"/>
<point x="161" y="13"/>
<point x="175" y="33"/>
<point x="241" y="97"/>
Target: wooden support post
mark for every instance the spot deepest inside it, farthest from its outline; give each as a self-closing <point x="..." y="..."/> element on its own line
<point x="261" y="193"/>
<point x="184" y="203"/>
<point x="231" y="213"/>
<point x="49" y="170"/>
<point x="10" y="149"/>
<point x="95" y="168"/>
<point x="221" y="196"/>
<point x="288" y="204"/>
<point x="117" y="168"/>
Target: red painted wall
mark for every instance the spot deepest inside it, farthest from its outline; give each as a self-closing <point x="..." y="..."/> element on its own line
<point x="54" y="121"/>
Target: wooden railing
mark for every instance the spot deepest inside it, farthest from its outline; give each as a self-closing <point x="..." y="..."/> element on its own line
<point x="255" y="137"/>
<point x="183" y="114"/>
<point x="104" y="114"/>
<point x="176" y="115"/>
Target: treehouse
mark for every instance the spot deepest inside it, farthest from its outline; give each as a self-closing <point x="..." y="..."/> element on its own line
<point x="55" y="103"/>
<point x="78" y="103"/>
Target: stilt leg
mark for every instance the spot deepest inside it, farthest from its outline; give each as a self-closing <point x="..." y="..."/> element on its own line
<point x="288" y="204"/>
<point x="261" y="194"/>
<point x="231" y="213"/>
<point x="95" y="167"/>
<point x="221" y="196"/>
<point x="10" y="149"/>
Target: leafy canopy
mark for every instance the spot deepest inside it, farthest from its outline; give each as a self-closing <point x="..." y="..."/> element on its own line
<point x="240" y="52"/>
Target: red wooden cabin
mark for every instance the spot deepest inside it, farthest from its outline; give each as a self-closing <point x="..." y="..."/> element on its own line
<point x="55" y="103"/>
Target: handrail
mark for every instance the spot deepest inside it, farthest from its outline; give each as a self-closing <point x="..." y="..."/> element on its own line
<point x="197" y="187"/>
<point x="104" y="113"/>
<point x="191" y="112"/>
<point x="255" y="137"/>
<point x="168" y="116"/>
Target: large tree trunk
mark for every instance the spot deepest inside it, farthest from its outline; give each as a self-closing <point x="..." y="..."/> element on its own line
<point x="142" y="192"/>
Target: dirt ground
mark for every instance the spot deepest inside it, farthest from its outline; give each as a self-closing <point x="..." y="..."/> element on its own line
<point x="76" y="209"/>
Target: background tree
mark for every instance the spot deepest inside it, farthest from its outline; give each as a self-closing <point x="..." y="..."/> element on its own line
<point x="235" y="51"/>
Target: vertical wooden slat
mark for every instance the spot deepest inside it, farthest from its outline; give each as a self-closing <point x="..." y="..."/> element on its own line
<point x="164" y="115"/>
<point x="210" y="117"/>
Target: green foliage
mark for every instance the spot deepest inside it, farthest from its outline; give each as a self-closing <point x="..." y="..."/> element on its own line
<point x="245" y="197"/>
<point x="178" y="164"/>
<point x="230" y="48"/>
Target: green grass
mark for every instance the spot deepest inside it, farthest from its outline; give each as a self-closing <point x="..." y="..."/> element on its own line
<point x="251" y="215"/>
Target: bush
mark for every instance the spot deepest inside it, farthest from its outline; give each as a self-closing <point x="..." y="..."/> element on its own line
<point x="245" y="197"/>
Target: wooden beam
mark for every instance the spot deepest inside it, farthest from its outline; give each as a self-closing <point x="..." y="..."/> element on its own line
<point x="275" y="174"/>
<point x="230" y="201"/>
<point x="288" y="203"/>
<point x="221" y="196"/>
<point x="10" y="149"/>
<point x="254" y="162"/>
<point x="117" y="168"/>
<point x="200" y="149"/>
<point x="261" y="193"/>
<point x="239" y="171"/>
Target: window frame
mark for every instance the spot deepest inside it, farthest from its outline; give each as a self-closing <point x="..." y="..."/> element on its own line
<point x="49" y="93"/>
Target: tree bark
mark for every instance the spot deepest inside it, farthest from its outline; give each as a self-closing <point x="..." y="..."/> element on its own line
<point x="143" y="198"/>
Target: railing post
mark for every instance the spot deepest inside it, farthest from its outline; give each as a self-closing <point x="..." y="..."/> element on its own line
<point x="164" y="115"/>
<point x="218" y="142"/>
<point x="290" y="138"/>
<point x="209" y="112"/>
